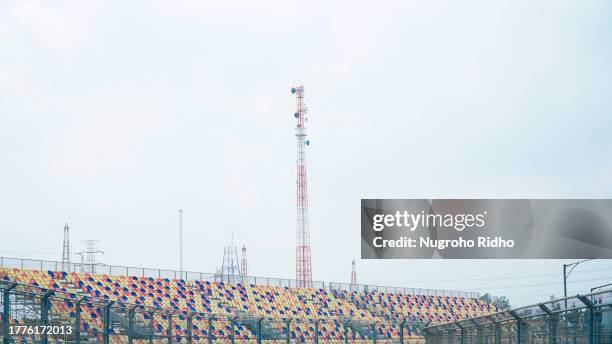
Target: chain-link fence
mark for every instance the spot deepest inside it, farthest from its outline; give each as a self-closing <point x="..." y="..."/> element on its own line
<point x="32" y="314"/>
<point x="574" y="320"/>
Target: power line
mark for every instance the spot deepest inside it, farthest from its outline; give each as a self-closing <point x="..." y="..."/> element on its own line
<point x="544" y="284"/>
<point x="506" y="277"/>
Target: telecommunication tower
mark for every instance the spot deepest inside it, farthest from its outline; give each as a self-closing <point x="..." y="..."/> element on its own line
<point x="303" y="265"/>
<point x="354" y="273"/>
<point x="66" y="249"/>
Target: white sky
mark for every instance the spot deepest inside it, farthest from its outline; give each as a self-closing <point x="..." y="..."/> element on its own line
<point x="115" y="114"/>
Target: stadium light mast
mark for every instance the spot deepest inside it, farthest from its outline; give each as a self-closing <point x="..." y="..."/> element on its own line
<point x="353" y="274"/>
<point x="303" y="264"/>
<point x="66" y="249"/>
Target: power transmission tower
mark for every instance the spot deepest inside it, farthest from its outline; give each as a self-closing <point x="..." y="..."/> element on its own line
<point x="230" y="270"/>
<point x="303" y="264"/>
<point x="90" y="255"/>
<point x="66" y="249"/>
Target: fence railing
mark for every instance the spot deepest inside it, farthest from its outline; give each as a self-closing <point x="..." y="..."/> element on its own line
<point x="400" y="290"/>
<point x="114" y="270"/>
<point x="26" y="312"/>
<point x="580" y="319"/>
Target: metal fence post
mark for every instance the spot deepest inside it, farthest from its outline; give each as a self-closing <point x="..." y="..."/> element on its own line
<point x="259" y="321"/>
<point x="189" y="329"/>
<point x="402" y="324"/>
<point x="44" y="313"/>
<point x="497" y="328"/>
<point x="130" y="324"/>
<point x="519" y="327"/>
<point x="78" y="319"/>
<point x="316" y="338"/>
<point x="374" y="332"/>
<point x="151" y="327"/>
<point x="591" y="307"/>
<point x="169" y="332"/>
<point x="346" y="331"/>
<point x="552" y="328"/>
<point x="288" y="333"/>
<point x="478" y="332"/>
<point x="233" y="331"/>
<point x="552" y="338"/>
<point x="210" y="320"/>
<point x="6" y="312"/>
<point x="107" y="320"/>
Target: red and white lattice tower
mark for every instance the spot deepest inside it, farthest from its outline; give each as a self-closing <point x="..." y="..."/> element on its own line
<point x="303" y="266"/>
<point x="353" y="274"/>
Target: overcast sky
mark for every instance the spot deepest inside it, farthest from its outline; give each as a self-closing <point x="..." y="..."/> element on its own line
<point x="115" y="114"/>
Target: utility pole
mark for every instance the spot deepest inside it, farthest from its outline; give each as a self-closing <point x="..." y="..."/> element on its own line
<point x="181" y="242"/>
<point x="566" y="274"/>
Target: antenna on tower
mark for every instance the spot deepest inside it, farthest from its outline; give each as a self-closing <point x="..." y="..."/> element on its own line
<point x="243" y="265"/>
<point x="90" y="255"/>
<point x="66" y="249"/>
<point x="353" y="274"/>
<point x="303" y="264"/>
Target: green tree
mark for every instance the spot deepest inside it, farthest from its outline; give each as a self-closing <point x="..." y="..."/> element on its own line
<point x="501" y="303"/>
<point x="485" y="298"/>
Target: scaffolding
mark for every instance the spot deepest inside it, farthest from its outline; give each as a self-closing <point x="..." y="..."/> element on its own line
<point x="580" y="319"/>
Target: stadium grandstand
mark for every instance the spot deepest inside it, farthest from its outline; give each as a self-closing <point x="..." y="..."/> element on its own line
<point x="112" y="304"/>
